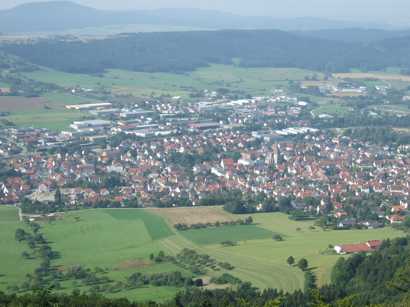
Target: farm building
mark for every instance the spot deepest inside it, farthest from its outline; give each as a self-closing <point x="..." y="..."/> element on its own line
<point x="97" y="123"/>
<point x="88" y="106"/>
<point x="369" y="246"/>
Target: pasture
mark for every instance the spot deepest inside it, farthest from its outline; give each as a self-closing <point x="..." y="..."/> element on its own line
<point x="217" y="235"/>
<point x="13" y="267"/>
<point x="256" y="81"/>
<point x="332" y="106"/>
<point x="121" y="241"/>
<point x="53" y="120"/>
<point x="107" y="238"/>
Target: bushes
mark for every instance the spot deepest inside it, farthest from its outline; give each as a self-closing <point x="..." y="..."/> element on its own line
<point x="226" y="278"/>
<point x="226" y="266"/>
<point x="173" y="279"/>
<point x="277" y="237"/>
<point x="229" y="243"/>
<point x="184" y="227"/>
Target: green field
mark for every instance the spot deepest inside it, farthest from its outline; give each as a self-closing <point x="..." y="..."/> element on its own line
<point x="59" y="100"/>
<point x="56" y="121"/>
<point x="121" y="240"/>
<point x="332" y="109"/>
<point x="155" y="225"/>
<point x="255" y="81"/>
<point x="399" y="109"/>
<point x="109" y="237"/>
<point x="13" y="267"/>
<point x="227" y="233"/>
<point x="47" y="111"/>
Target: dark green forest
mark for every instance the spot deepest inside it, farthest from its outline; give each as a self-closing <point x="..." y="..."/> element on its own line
<point x="379" y="279"/>
<point x="180" y="52"/>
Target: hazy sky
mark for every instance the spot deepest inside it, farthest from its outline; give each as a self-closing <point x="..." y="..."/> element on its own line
<point x="391" y="11"/>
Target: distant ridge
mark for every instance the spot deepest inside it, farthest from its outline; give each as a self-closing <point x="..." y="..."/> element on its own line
<point x="65" y="15"/>
<point x="180" y="52"/>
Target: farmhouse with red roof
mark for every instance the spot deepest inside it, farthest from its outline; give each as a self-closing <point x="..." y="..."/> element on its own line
<point x="369" y="246"/>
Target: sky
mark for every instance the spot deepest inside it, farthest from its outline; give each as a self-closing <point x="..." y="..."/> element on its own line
<point x="386" y="11"/>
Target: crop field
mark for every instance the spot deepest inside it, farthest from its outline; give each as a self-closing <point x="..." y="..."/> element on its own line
<point x="42" y="112"/>
<point x="373" y="76"/>
<point x="51" y="101"/>
<point x="121" y="240"/>
<point x="16" y="104"/>
<point x="256" y="81"/>
<point x="190" y="216"/>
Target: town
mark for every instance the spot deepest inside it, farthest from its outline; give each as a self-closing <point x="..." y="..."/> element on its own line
<point x="270" y="150"/>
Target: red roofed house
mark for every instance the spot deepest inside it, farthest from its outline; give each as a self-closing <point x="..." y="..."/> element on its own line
<point x="227" y="164"/>
<point x="369" y="246"/>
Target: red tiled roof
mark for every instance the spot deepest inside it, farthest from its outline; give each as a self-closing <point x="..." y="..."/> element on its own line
<point x="355" y="248"/>
<point x="361" y="247"/>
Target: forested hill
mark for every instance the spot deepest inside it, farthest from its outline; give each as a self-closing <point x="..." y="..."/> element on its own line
<point x="65" y="15"/>
<point x="186" y="51"/>
<point x="355" y="35"/>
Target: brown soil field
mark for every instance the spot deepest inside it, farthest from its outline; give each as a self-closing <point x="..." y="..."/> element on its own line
<point x="16" y="104"/>
<point x="310" y="83"/>
<point x="373" y="76"/>
<point x="190" y="216"/>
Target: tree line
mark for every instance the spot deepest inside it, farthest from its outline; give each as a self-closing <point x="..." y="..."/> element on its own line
<point x="183" y="227"/>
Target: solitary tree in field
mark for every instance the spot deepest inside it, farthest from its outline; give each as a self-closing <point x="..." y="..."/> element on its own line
<point x="277" y="237"/>
<point x="290" y="260"/>
<point x="249" y="220"/>
<point x="303" y="264"/>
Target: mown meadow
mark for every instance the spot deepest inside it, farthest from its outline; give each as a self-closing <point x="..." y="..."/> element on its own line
<point x="121" y="242"/>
